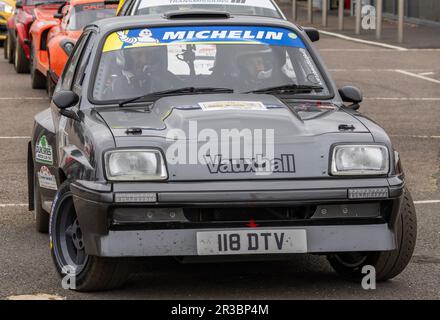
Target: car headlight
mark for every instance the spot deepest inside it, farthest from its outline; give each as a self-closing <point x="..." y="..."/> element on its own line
<point x="68" y="47"/>
<point x="360" y="160"/>
<point x="135" y="165"/>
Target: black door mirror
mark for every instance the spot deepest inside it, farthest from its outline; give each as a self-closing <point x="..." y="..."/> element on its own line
<point x="312" y="33"/>
<point x="65" y="99"/>
<point x="352" y="95"/>
<point x="58" y="16"/>
<point x="19" y="4"/>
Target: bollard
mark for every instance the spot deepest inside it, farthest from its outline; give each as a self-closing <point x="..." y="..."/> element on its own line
<point x="324" y="12"/>
<point x="358" y="16"/>
<point x="294" y="16"/>
<point x="341" y="15"/>
<point x="310" y="11"/>
<point x="379" y="10"/>
<point x="401" y="11"/>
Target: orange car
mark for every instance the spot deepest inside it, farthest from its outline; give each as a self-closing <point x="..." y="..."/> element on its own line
<point x="52" y="40"/>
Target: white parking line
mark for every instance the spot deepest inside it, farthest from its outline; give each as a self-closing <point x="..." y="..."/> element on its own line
<point x="12" y="205"/>
<point x="380" y="70"/>
<point x="414" y="136"/>
<point x="353" y="50"/>
<point x="15" y="138"/>
<point x="427" y="202"/>
<point x="374" y="43"/>
<point x="24" y="98"/>
<point x="415" y="75"/>
<point x="402" y="99"/>
<point x="426" y="73"/>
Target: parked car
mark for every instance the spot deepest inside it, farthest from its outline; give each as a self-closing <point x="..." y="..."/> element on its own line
<point x="267" y="8"/>
<point x="19" y="25"/>
<point x="131" y="158"/>
<point x="6" y="10"/>
<point x="52" y="40"/>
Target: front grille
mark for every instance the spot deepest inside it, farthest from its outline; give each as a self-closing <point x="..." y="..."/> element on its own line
<point x="246" y="214"/>
<point x="3" y="29"/>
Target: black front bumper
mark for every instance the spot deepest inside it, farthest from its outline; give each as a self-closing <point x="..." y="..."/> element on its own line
<point x="95" y="206"/>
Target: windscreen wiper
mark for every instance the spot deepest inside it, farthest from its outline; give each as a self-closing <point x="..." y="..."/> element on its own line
<point x="181" y="91"/>
<point x="290" y="88"/>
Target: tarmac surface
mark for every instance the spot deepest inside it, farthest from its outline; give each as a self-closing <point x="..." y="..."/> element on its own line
<point x="402" y="93"/>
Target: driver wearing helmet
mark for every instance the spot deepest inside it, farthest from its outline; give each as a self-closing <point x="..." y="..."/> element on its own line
<point x="144" y="70"/>
<point x="256" y="67"/>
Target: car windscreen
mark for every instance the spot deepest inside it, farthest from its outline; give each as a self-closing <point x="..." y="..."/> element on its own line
<point x="83" y="14"/>
<point x="242" y="58"/>
<point x="250" y="7"/>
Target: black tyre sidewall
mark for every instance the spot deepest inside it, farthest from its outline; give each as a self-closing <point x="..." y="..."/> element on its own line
<point x="10" y="49"/>
<point x="21" y="63"/>
<point x="388" y="264"/>
<point x="62" y="195"/>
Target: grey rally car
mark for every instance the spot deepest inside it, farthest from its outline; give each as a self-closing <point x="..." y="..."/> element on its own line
<point x="206" y="135"/>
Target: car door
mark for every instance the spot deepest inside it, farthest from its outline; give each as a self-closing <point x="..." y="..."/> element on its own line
<point x="72" y="134"/>
<point x="49" y="137"/>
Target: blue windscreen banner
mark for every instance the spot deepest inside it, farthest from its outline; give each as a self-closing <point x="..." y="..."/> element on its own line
<point x="158" y="36"/>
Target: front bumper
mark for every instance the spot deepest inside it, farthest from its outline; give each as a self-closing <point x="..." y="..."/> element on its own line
<point x="95" y="206"/>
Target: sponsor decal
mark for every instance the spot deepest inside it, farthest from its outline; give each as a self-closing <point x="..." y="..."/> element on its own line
<point x="46" y="180"/>
<point x="232" y="105"/>
<point x="284" y="164"/>
<point x="43" y="151"/>
<point x="133" y="38"/>
<point x="240" y="3"/>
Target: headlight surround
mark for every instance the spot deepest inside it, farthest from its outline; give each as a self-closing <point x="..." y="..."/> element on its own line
<point x="135" y="165"/>
<point x="360" y="160"/>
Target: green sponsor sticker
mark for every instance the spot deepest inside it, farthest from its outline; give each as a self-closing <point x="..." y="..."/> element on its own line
<point x="43" y="151"/>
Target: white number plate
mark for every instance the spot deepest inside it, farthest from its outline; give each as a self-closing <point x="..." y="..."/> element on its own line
<point x="251" y="242"/>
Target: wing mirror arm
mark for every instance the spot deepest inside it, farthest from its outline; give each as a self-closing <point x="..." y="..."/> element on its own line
<point x="353" y="95"/>
<point x="70" y="114"/>
<point x="65" y="100"/>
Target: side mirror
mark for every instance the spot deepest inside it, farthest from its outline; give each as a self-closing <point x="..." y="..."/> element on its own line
<point x="353" y="95"/>
<point x="312" y="33"/>
<point x="65" y="99"/>
<point x="19" y="4"/>
<point x="58" y="16"/>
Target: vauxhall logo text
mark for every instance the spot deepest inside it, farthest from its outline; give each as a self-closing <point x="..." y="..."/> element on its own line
<point x="284" y="164"/>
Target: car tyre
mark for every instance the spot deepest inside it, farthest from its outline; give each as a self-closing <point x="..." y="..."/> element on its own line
<point x="10" y="49"/>
<point x="5" y="49"/>
<point x="91" y="273"/>
<point x="38" y="80"/>
<point x="41" y="216"/>
<point x="388" y="264"/>
<point x="21" y="63"/>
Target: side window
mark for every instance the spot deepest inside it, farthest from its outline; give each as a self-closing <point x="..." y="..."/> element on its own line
<point x="82" y="65"/>
<point x="70" y="68"/>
